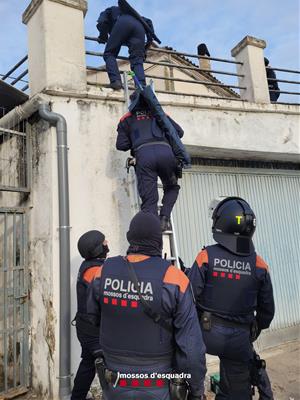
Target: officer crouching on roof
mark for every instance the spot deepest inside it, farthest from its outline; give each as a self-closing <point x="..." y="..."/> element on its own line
<point x="139" y="132"/>
<point x="233" y="291"/>
<point x="93" y="248"/>
<point x="148" y="322"/>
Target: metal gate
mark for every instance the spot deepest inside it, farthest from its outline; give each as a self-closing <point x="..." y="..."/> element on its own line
<point x="14" y="360"/>
<point x="275" y="198"/>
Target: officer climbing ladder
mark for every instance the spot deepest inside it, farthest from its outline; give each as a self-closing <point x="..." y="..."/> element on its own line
<point x="169" y="234"/>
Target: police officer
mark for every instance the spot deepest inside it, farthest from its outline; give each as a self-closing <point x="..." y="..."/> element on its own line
<point x="139" y="132"/>
<point x="149" y="324"/>
<point x="233" y="291"/>
<point x="93" y="248"/>
<point x="272" y="81"/>
<point x="123" y="29"/>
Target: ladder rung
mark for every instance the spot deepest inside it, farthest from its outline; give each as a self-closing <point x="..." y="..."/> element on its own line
<point x="168" y="232"/>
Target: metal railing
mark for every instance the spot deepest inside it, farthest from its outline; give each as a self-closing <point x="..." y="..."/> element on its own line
<point x="181" y="62"/>
<point x="15" y="157"/>
<point x="287" y="91"/>
<point x="18" y="81"/>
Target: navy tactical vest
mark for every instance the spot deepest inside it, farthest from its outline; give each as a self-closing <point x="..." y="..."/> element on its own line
<point x="144" y="129"/>
<point x="231" y="286"/>
<point x="82" y="285"/>
<point x="125" y="329"/>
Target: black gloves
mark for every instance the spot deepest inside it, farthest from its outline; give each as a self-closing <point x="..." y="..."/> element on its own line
<point x="255" y="331"/>
<point x="102" y="39"/>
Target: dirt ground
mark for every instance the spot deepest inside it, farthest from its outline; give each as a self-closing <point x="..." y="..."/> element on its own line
<point x="283" y="366"/>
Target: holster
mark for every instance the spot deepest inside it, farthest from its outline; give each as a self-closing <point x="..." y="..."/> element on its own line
<point x="257" y="366"/>
<point x="130" y="162"/>
<point x="206" y="320"/>
<point x="178" y="389"/>
<point x="100" y="369"/>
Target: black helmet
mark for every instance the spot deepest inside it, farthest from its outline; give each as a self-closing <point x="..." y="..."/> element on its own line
<point x="90" y="245"/>
<point x="138" y="102"/>
<point x="234" y="224"/>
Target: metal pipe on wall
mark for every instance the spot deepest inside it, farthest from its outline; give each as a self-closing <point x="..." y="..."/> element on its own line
<point x="59" y="122"/>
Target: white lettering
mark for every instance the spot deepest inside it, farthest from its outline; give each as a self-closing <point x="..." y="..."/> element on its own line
<point x="128" y="287"/>
<point x="232" y="264"/>
<point x="107" y="283"/>
<point x="115" y="284"/>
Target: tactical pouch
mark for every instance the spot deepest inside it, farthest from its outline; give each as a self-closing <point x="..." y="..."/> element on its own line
<point x="206" y="320"/>
<point x="179" y="170"/>
<point x="100" y="368"/>
<point x="178" y="389"/>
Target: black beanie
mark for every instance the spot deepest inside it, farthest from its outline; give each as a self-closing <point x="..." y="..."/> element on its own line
<point x="90" y="244"/>
<point x="145" y="234"/>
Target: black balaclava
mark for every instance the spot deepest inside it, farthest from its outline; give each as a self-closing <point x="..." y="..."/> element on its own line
<point x="203" y="50"/>
<point x="90" y="245"/>
<point x="145" y="235"/>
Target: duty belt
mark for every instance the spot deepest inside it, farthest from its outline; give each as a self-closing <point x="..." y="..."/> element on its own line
<point x="150" y="143"/>
<point x="208" y="319"/>
<point x="228" y="323"/>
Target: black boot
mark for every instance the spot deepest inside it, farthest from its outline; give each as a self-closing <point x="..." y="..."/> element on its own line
<point x="165" y="223"/>
<point x="116" y="85"/>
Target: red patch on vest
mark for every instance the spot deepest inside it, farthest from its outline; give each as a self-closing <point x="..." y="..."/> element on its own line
<point x="127" y="115"/>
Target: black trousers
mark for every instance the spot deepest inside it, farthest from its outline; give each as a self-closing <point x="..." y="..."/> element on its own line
<point x="86" y="371"/>
<point x="130" y="32"/>
<point x="155" y="161"/>
<point x="234" y="349"/>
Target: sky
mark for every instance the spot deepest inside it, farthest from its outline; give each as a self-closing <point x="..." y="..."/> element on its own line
<point x="183" y="24"/>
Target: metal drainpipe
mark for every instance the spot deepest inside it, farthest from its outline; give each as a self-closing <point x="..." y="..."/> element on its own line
<point x="64" y="249"/>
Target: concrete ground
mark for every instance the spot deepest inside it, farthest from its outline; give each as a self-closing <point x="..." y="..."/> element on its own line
<point x="283" y="366"/>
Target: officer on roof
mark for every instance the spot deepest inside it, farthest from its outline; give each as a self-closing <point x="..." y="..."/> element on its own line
<point x="139" y="132"/>
<point x="93" y="248"/>
<point x="119" y="28"/>
<point x="148" y="322"/>
<point x="272" y="81"/>
<point x="234" y="297"/>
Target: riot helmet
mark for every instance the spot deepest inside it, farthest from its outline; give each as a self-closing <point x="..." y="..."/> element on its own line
<point x="92" y="244"/>
<point x="234" y="224"/>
